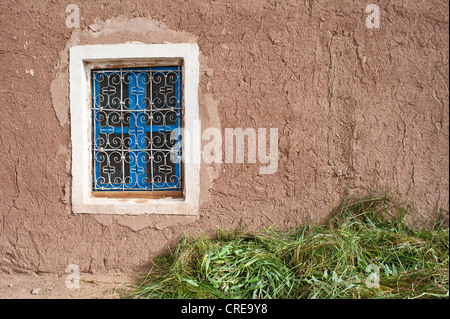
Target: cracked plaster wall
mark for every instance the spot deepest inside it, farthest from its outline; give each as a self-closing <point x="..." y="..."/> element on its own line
<point x="356" y="109"/>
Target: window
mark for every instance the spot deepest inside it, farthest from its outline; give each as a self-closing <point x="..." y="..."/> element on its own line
<point x="134" y="110"/>
<point x="137" y="121"/>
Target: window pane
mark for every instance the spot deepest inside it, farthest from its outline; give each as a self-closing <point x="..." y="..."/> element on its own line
<point x="134" y="112"/>
<point x="112" y="162"/>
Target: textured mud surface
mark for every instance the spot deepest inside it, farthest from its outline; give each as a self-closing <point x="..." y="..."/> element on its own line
<point x="356" y="109"/>
<point x="51" y="286"/>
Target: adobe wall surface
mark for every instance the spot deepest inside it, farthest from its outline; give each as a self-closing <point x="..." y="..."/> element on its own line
<point x="356" y="109"/>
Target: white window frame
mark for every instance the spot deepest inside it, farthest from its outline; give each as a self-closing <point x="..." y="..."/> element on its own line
<point x="82" y="58"/>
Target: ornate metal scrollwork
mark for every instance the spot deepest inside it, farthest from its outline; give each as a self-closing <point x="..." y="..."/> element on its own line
<point x="134" y="112"/>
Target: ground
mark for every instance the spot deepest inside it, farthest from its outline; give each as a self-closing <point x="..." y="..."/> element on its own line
<point x="98" y="286"/>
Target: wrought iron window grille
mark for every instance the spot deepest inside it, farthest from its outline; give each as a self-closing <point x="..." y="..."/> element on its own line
<point x="134" y="112"/>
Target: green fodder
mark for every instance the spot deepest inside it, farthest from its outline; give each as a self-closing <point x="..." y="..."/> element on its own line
<point x="239" y="267"/>
<point x="366" y="250"/>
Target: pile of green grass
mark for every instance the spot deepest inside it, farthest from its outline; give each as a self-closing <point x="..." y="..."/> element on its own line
<point x="366" y="250"/>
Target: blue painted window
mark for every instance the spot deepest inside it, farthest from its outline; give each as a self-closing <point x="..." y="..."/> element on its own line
<point x="134" y="112"/>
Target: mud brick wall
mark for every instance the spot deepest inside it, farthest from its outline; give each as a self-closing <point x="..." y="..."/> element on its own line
<point x="356" y="109"/>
